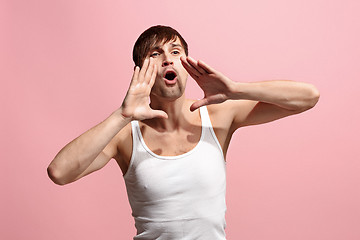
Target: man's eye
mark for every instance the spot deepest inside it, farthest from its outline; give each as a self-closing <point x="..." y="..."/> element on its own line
<point x="176" y="52"/>
<point x="154" y="54"/>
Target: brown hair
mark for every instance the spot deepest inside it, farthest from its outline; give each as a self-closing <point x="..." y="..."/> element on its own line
<point x="151" y="37"/>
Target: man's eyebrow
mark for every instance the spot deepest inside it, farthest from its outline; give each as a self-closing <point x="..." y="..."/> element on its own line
<point x="158" y="47"/>
<point x="176" y="45"/>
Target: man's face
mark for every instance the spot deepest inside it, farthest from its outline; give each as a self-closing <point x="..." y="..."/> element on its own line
<point x="171" y="75"/>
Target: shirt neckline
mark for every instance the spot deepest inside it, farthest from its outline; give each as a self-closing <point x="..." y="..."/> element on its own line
<point x="175" y="156"/>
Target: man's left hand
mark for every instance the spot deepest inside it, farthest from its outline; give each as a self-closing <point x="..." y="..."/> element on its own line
<point x="216" y="86"/>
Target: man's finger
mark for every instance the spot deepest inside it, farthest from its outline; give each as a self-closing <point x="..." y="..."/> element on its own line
<point x="159" y="114"/>
<point x="194" y="64"/>
<point x="206" y="67"/>
<point x="149" y="71"/>
<point x="134" y="79"/>
<point x="143" y="70"/>
<point x="153" y="76"/>
<point x="192" y="71"/>
<point x="198" y="104"/>
<point x="192" y="74"/>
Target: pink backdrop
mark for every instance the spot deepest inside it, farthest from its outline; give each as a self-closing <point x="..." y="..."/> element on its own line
<point x="66" y="65"/>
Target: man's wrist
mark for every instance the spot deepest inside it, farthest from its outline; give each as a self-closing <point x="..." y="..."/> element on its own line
<point x="238" y="91"/>
<point x="119" y="116"/>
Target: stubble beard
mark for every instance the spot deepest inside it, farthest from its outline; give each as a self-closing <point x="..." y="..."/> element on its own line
<point x="169" y="93"/>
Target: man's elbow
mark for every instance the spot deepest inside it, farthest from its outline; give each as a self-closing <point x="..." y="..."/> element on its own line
<point x="310" y="100"/>
<point x="55" y="175"/>
<point x="313" y="98"/>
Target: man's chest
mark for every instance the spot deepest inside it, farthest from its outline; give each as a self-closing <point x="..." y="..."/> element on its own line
<point x="171" y="143"/>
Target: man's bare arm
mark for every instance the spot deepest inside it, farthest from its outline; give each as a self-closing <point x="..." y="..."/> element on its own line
<point x="270" y="100"/>
<point x="262" y="101"/>
<point x="93" y="149"/>
<point x="86" y="150"/>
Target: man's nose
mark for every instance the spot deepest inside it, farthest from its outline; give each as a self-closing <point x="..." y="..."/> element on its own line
<point x="167" y="61"/>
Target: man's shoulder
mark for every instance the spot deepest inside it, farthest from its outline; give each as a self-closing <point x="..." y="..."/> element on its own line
<point x="220" y="115"/>
<point x="223" y="114"/>
<point x="221" y="108"/>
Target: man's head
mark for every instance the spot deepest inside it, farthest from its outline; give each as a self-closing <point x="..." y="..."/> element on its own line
<point x="165" y="46"/>
<point x="152" y="37"/>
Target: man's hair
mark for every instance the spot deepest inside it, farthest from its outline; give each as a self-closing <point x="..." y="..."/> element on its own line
<point x="152" y="37"/>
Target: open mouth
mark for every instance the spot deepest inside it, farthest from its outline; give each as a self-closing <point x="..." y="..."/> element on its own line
<point x="170" y="75"/>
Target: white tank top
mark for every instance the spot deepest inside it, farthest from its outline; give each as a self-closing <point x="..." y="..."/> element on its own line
<point x="178" y="197"/>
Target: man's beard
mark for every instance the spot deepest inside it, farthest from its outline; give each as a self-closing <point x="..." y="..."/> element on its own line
<point x="169" y="93"/>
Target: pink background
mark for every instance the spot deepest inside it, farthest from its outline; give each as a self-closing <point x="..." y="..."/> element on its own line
<point x="66" y="65"/>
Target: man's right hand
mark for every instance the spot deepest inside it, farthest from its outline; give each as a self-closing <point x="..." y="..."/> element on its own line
<point x="136" y="103"/>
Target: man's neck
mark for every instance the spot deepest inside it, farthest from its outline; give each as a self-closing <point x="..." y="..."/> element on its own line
<point x="175" y="111"/>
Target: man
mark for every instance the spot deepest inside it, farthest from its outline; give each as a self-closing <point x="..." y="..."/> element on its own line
<point x="172" y="151"/>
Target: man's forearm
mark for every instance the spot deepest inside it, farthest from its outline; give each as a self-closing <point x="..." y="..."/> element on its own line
<point x="77" y="155"/>
<point x="287" y="94"/>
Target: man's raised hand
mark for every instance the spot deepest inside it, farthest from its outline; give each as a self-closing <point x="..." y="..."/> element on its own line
<point x="216" y="86"/>
<point x="136" y="102"/>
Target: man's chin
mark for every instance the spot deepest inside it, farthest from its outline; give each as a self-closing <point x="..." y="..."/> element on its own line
<point x="171" y="94"/>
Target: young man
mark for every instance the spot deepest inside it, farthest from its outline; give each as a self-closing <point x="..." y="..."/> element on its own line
<point x="172" y="151"/>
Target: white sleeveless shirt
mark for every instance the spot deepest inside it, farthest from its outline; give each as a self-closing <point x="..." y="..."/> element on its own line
<point x="178" y="197"/>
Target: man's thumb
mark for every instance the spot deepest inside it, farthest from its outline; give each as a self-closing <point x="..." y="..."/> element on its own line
<point x="160" y="114"/>
<point x="198" y="103"/>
